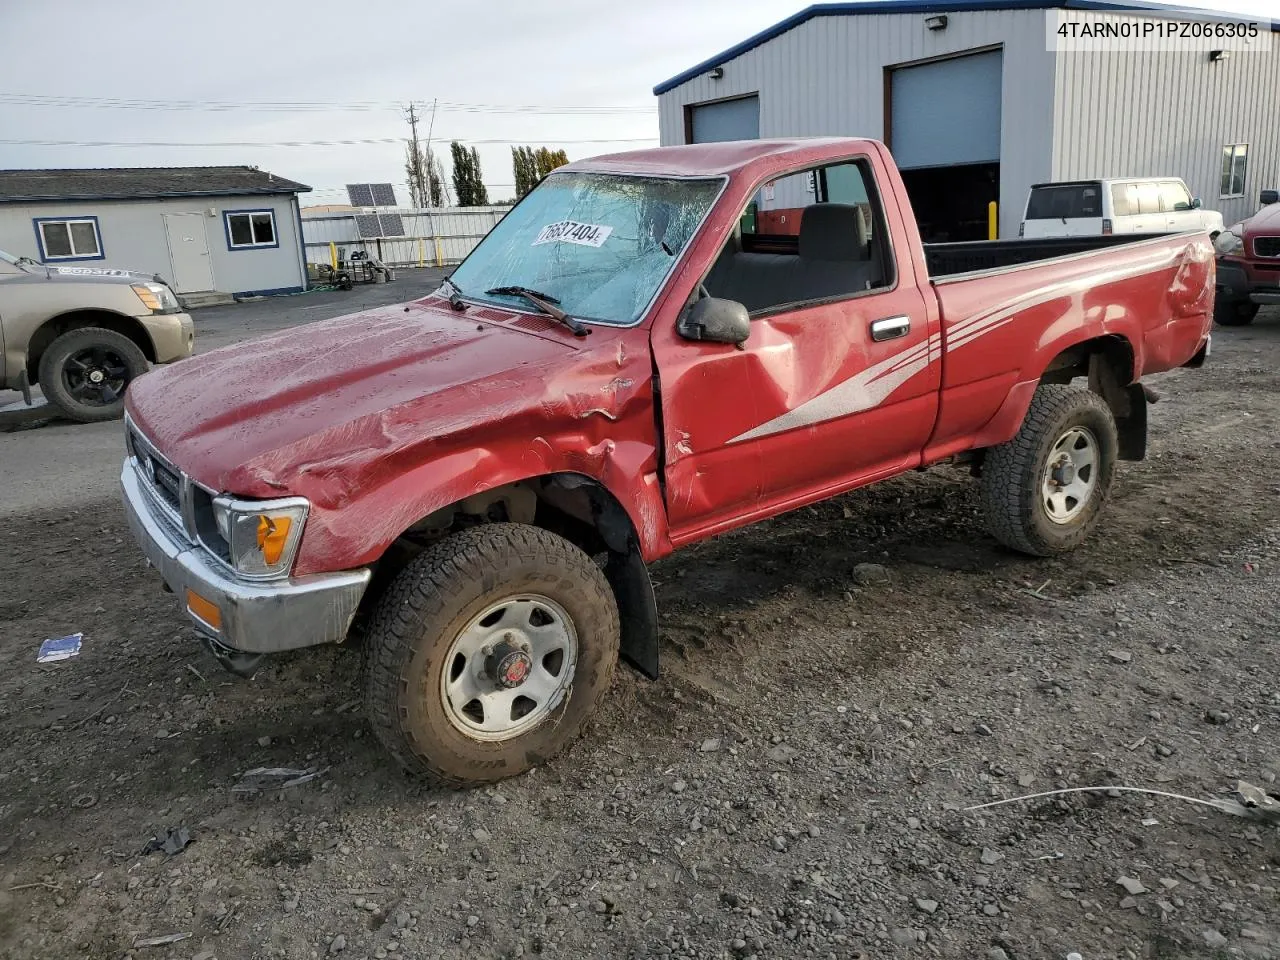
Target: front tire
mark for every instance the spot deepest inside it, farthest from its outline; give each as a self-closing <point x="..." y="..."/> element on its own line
<point x="85" y="372"/>
<point x="488" y="653"/>
<point x="1043" y="491"/>
<point x="1233" y="313"/>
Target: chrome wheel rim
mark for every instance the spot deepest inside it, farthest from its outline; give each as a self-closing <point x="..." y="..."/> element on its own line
<point x="1070" y="475"/>
<point x="509" y="668"/>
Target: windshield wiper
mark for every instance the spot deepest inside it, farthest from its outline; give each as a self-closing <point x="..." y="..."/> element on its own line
<point x="455" y="298"/>
<point x="545" y="303"/>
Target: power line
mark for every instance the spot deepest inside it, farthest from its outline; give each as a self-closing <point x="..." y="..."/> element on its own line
<point x="299" y="143"/>
<point x="302" y="106"/>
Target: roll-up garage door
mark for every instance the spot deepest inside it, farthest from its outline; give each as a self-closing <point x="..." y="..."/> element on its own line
<point x="946" y="112"/>
<point x="727" y="120"/>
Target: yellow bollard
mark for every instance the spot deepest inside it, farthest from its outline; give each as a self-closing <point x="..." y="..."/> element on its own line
<point x="333" y="255"/>
<point x="439" y="257"/>
<point x="992" y="221"/>
<point x="422" y="258"/>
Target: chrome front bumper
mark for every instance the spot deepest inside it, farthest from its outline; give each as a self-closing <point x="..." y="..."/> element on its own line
<point x="257" y="617"/>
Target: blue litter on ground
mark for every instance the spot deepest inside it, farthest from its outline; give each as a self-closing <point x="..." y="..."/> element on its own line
<point x="63" y="648"/>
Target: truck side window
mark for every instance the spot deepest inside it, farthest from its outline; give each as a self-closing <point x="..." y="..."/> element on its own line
<point x="807" y="237"/>
<point x="1173" y="197"/>
<point x="1148" y="198"/>
<point x="1120" y="194"/>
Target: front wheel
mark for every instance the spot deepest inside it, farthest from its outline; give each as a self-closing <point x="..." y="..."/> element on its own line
<point x="1233" y="313"/>
<point x="488" y="653"/>
<point x="1043" y="491"/>
<point x="85" y="372"/>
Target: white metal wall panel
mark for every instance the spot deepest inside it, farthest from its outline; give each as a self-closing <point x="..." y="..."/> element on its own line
<point x="826" y="78"/>
<point x="727" y="120"/>
<point x="1136" y="114"/>
<point x="433" y="236"/>
<point x="947" y="112"/>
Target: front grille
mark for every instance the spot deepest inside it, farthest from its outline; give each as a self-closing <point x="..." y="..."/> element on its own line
<point x="168" y="485"/>
<point x="183" y="504"/>
<point x="163" y="483"/>
<point x="1266" y="246"/>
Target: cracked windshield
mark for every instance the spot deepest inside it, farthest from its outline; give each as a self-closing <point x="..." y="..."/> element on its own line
<point x="600" y="244"/>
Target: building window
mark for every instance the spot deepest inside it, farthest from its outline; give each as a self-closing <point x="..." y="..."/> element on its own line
<point x="1235" y="158"/>
<point x="251" y="228"/>
<point x="69" y="239"/>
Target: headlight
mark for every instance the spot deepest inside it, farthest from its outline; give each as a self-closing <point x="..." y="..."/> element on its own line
<point x="157" y="297"/>
<point x="261" y="536"/>
<point x="1228" y="242"/>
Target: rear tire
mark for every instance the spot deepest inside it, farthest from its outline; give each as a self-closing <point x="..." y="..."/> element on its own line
<point x="445" y="676"/>
<point x="85" y="373"/>
<point x="1233" y="313"/>
<point x="1043" y="491"/>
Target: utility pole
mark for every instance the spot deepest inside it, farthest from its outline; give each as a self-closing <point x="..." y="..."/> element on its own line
<point x="431" y="125"/>
<point x="417" y="176"/>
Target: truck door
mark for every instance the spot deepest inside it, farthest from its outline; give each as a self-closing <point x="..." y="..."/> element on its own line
<point x="837" y="384"/>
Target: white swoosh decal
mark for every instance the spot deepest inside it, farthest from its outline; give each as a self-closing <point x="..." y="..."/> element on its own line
<point x="971" y="328"/>
<point x="863" y="391"/>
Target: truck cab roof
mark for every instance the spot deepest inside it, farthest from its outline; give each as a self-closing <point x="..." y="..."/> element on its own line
<point x="727" y="158"/>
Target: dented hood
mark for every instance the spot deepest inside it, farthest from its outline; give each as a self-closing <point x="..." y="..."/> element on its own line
<point x="311" y="410"/>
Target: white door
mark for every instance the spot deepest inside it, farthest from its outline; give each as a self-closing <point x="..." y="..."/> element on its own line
<point x="188" y="252"/>
<point x="1175" y="198"/>
<point x="1145" y="215"/>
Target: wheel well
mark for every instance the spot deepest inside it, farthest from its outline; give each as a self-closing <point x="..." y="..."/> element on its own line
<point x="1080" y="360"/>
<point x="572" y="505"/>
<point x="1108" y="362"/>
<point x="55" y="327"/>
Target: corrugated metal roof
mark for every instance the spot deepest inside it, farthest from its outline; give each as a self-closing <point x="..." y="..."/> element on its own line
<point x="929" y="7"/>
<point x="141" y="183"/>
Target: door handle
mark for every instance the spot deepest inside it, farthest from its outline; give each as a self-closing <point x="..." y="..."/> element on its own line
<point x="890" y="328"/>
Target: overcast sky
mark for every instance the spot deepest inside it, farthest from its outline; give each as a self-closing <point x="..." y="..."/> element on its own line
<point x="320" y="57"/>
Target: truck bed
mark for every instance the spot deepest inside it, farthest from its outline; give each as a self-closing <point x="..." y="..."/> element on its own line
<point x="947" y="259"/>
<point x="1148" y="296"/>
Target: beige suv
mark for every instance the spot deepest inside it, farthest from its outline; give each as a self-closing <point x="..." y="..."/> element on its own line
<point x="84" y="333"/>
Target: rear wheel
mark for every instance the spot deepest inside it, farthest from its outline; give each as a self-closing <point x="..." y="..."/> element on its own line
<point x="85" y="372"/>
<point x="1233" y="313"/>
<point x="489" y="652"/>
<point x="1042" y="492"/>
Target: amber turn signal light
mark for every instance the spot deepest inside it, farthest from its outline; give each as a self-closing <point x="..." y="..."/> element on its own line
<point x="272" y="534"/>
<point x="204" y="609"/>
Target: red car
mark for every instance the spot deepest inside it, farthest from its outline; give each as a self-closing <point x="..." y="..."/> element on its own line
<point x="478" y="479"/>
<point x="1249" y="264"/>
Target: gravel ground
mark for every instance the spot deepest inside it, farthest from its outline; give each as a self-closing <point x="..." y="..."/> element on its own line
<point x="839" y="683"/>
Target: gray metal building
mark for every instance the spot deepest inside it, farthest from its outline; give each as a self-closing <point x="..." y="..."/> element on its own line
<point x="232" y="230"/>
<point x="976" y="105"/>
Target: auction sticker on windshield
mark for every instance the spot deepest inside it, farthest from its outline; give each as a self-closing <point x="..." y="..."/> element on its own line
<point x="571" y="231"/>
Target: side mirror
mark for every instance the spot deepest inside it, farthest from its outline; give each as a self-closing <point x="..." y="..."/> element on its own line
<point x="1195" y="203"/>
<point x="715" y="321"/>
<point x="1268" y="197"/>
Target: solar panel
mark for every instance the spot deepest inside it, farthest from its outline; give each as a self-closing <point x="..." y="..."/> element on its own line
<point x="392" y="225"/>
<point x="368" y="226"/>
<point x="360" y="194"/>
<point x="384" y="194"/>
<point x="374" y="225"/>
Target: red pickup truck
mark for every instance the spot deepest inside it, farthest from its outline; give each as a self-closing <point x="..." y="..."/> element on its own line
<point x="1249" y="264"/>
<point x="478" y="479"/>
